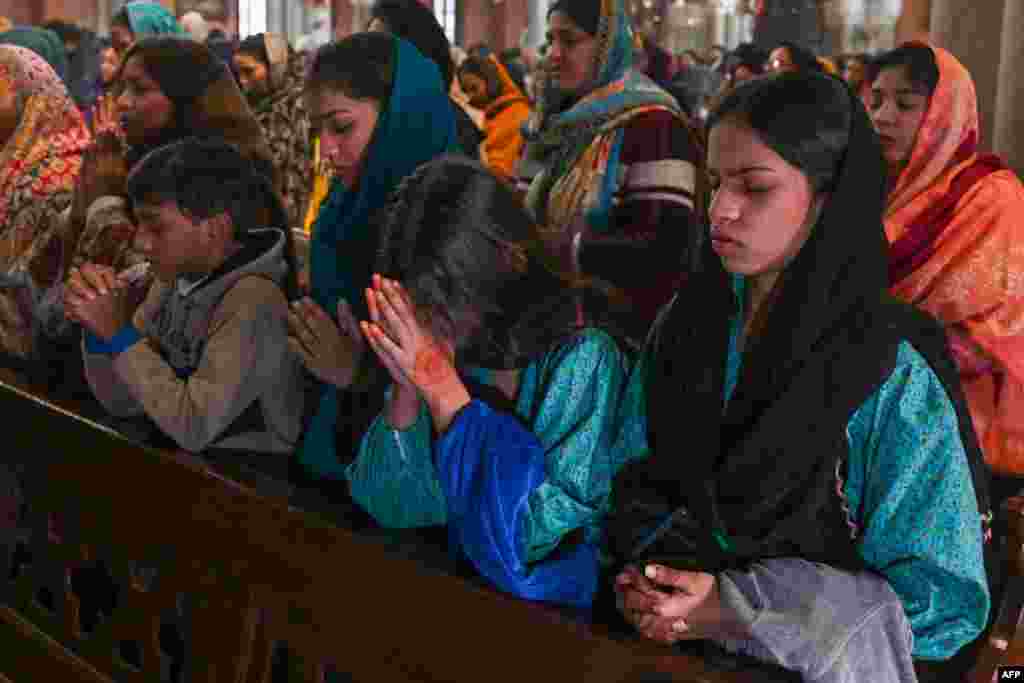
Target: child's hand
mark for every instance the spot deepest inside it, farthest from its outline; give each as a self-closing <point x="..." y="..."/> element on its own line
<point x="98" y="300"/>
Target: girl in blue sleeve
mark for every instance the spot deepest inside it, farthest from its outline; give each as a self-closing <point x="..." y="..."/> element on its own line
<point x="520" y="478"/>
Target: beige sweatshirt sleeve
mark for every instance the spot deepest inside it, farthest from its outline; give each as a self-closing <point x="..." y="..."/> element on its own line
<point x="245" y="351"/>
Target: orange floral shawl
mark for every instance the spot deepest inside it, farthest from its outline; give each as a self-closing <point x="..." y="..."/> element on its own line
<point x="39" y="166"/>
<point x="956" y="223"/>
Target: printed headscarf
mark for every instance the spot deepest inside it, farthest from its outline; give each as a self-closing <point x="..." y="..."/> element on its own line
<point x="557" y="137"/>
<point x="946" y="141"/>
<point x="43" y="156"/>
<point x="39" y="167"/>
<point x="955" y="221"/>
<point x="43" y="42"/>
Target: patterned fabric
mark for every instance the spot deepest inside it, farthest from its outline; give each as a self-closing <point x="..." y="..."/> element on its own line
<point x="973" y="279"/>
<point x="568" y="400"/>
<point x="585" y="162"/>
<point x="151" y="19"/>
<point x="574" y="146"/>
<point x="39" y="167"/>
<point x="43" y="42"/>
<point x="654" y="207"/>
<point x="908" y="487"/>
<point x="285" y="122"/>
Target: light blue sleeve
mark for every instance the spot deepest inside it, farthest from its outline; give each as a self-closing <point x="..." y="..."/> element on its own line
<point x="575" y="422"/>
<point x="910" y="493"/>
<point x="393" y="476"/>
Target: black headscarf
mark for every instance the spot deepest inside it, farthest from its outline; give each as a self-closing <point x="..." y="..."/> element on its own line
<point x="762" y="474"/>
<point x="584" y="13"/>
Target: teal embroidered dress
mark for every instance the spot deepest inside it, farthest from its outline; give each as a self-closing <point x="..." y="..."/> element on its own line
<point x="557" y="447"/>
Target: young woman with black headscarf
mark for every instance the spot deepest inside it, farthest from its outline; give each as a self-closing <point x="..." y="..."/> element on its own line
<point x="807" y="487"/>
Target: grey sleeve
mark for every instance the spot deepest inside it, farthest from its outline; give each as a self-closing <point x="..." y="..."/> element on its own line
<point x="829" y="625"/>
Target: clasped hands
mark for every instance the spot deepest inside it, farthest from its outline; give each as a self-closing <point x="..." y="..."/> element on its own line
<point x="414" y="357"/>
<point x="669" y="605"/>
<point x="98" y="299"/>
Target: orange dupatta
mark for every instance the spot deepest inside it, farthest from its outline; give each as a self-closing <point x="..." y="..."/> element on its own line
<point x="503" y="123"/>
<point x="956" y="224"/>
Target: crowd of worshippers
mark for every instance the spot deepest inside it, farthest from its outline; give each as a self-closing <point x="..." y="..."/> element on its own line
<point x="682" y="363"/>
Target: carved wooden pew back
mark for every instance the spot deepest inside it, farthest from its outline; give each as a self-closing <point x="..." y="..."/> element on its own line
<point x="237" y="573"/>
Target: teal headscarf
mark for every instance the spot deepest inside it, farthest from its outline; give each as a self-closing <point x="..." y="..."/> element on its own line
<point x="43" y="42"/>
<point x="417" y="126"/>
<point x="151" y="19"/>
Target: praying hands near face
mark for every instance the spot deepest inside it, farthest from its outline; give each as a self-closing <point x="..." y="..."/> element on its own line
<point x="420" y="364"/>
<point x="416" y="358"/>
<point x="331" y="352"/>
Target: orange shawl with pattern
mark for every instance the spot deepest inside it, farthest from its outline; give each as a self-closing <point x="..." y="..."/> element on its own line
<point x="39" y="166"/>
<point x="955" y="220"/>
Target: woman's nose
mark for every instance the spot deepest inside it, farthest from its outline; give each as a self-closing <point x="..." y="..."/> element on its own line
<point x="722" y="209"/>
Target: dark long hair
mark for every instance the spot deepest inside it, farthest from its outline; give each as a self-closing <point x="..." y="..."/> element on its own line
<point x="919" y="62"/>
<point x="207" y="177"/>
<point x="361" y="66"/>
<point x="413" y="21"/>
<point x="801" y="120"/>
<point x="206" y="99"/>
<point x="467" y="252"/>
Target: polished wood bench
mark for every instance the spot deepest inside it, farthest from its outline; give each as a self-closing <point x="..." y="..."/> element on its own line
<point x="242" y="573"/>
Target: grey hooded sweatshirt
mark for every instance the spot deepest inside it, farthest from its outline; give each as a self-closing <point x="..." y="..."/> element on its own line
<point x="208" y="360"/>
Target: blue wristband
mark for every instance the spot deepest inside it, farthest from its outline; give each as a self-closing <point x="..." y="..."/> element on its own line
<point x="122" y="341"/>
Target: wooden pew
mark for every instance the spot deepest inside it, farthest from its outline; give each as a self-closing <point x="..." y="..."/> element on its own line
<point x="256" y="572"/>
<point x="259" y="572"/>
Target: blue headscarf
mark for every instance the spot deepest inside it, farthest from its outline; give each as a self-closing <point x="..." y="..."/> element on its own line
<point x="151" y="19"/>
<point x="417" y="126"/>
